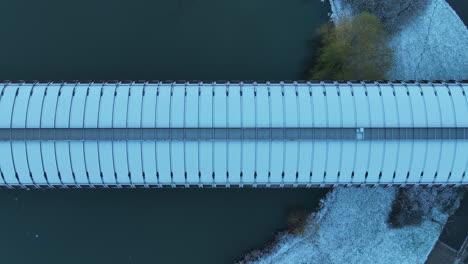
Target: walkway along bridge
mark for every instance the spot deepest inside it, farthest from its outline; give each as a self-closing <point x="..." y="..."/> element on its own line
<point x="232" y="134"/>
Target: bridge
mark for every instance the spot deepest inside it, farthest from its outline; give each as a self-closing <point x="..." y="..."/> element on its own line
<point x="113" y="134"/>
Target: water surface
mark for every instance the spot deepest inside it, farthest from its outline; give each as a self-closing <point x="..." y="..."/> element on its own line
<point x="165" y="40"/>
<point x="143" y="226"/>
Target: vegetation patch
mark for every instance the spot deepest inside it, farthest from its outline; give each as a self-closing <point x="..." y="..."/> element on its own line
<point x="297" y="221"/>
<point x="414" y="205"/>
<point x="353" y="49"/>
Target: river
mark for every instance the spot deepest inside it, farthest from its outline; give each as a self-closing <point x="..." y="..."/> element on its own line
<point x="165" y="40"/>
<point x="461" y="8"/>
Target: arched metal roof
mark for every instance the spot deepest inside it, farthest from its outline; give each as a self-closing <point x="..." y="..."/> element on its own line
<point x="233" y="134"/>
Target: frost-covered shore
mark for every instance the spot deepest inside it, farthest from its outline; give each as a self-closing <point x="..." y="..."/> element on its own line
<point x="351" y="225"/>
<point x="351" y="228"/>
<point x="432" y="46"/>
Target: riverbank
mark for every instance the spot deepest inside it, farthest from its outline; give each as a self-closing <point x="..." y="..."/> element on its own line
<point x="432" y="46"/>
<point x="351" y="228"/>
<point x="208" y="226"/>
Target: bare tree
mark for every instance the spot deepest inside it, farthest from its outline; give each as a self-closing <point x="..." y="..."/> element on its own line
<point x="414" y="205"/>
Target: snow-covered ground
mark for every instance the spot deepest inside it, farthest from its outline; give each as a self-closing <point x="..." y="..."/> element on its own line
<point x="351" y="228"/>
<point x="433" y="46"/>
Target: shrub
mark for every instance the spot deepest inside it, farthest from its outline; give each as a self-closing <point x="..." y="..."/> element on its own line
<point x="353" y="49"/>
<point x="412" y="206"/>
<point x="406" y="211"/>
<point x="297" y="221"/>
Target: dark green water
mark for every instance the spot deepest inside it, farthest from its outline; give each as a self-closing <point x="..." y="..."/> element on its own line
<point x="158" y="39"/>
<point x="461" y="7"/>
<point x="166" y="39"/>
<point x="142" y="226"/>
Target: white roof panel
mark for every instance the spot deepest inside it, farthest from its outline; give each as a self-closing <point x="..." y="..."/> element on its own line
<point x="263" y="161"/>
<point x="263" y="107"/>
<point x="135" y="162"/>
<point x="191" y="160"/>
<point x="164" y="164"/>
<point x="404" y="161"/>
<point x="7" y="100"/>
<point x="78" y="106"/>
<point x="348" y="107"/>
<point x="33" y="118"/>
<point x="305" y="161"/>
<point x="405" y="111"/>
<point x="63" y="162"/>
<point x="320" y="111"/>
<point x="78" y="161"/>
<point x="419" y="107"/>
<point x="6" y="163"/>
<point x="376" y="106"/>
<point x="21" y="107"/>
<point x="432" y="160"/>
<point x="347" y="161"/>
<point x="149" y="107"/>
<point x="375" y="161"/>
<point x="21" y="162"/>
<point x="234" y="104"/>
<point x="277" y="107"/>
<point x="459" y="162"/>
<point x="107" y="162"/>
<point x="460" y="102"/>
<point x="192" y="114"/>
<point x="178" y="161"/>
<point x="149" y="162"/>
<point x="334" y="157"/>
<point x="319" y="161"/>
<point x="219" y="156"/>
<point x="220" y="109"/>
<point x="334" y="107"/>
<point x="234" y="160"/>
<point x="390" y="159"/>
<point x="248" y="107"/>
<point x="248" y="160"/>
<point x="446" y="161"/>
<point x="177" y="106"/>
<point x="35" y="162"/>
<point x="121" y="162"/>
<point x="291" y="107"/>
<point x="92" y="161"/>
<point x="291" y="160"/>
<point x="304" y="105"/>
<point x="417" y="160"/>
<point x="64" y="106"/>
<point x="389" y="106"/>
<point x="121" y="106"/>
<point x="221" y="162"/>
<point x="106" y="107"/>
<point x="277" y="161"/>
<point x="361" y="167"/>
<point x="447" y="105"/>
<point x="92" y="106"/>
<point x="50" y="162"/>
<point x="362" y="106"/>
